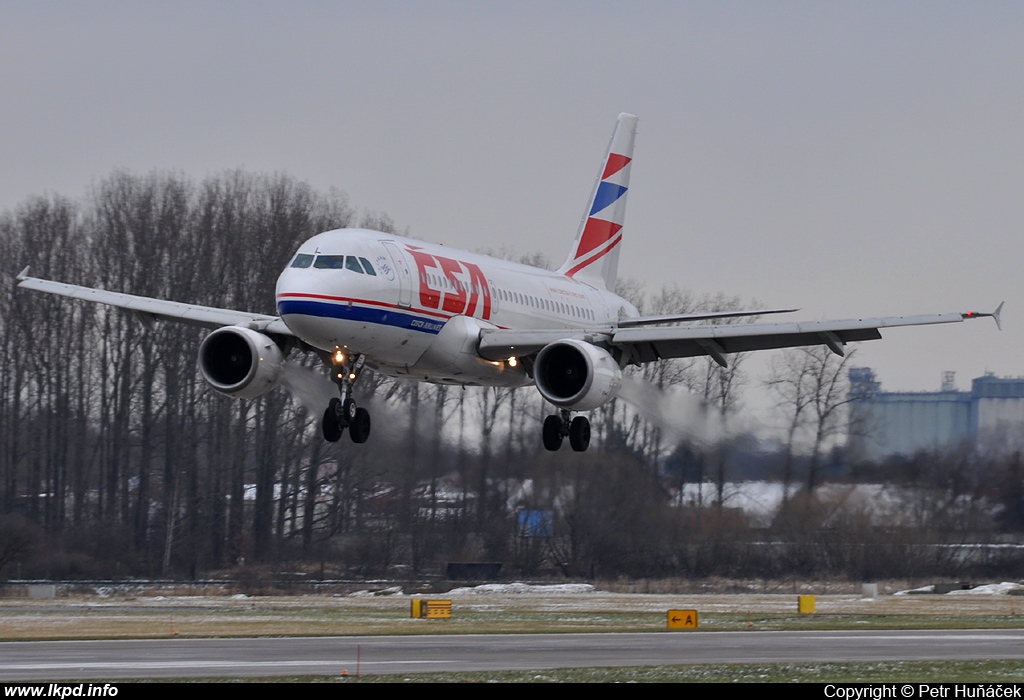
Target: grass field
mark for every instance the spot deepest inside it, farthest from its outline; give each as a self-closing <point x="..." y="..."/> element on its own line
<point x="875" y="672"/>
<point x="133" y="616"/>
<point x="126" y="616"/>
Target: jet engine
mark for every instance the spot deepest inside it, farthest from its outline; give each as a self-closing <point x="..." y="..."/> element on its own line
<point x="576" y="375"/>
<point x="240" y="362"/>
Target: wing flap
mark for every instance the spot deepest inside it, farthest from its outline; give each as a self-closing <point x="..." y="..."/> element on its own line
<point x="666" y="348"/>
<point x="649" y="343"/>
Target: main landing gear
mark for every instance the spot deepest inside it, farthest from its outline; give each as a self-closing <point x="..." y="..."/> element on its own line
<point x="342" y="412"/>
<point x="556" y="428"/>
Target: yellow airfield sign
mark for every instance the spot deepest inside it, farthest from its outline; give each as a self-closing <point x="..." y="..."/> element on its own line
<point x="683" y="620"/>
<point x="432" y="609"/>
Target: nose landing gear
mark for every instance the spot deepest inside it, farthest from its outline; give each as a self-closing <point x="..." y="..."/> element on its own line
<point x="342" y="412"/>
<point x="556" y="428"/>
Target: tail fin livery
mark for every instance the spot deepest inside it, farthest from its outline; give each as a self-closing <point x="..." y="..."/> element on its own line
<point x="594" y="257"/>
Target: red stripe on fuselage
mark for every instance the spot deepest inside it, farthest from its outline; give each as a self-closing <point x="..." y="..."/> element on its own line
<point x="372" y="302"/>
<point x="368" y="302"/>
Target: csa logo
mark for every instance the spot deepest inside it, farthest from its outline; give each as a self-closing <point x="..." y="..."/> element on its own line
<point x="466" y="290"/>
<point x="384" y="265"/>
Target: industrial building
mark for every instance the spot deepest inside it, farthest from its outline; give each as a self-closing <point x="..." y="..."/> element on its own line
<point x="886" y="423"/>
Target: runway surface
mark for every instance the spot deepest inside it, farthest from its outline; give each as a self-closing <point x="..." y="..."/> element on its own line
<point x="167" y="658"/>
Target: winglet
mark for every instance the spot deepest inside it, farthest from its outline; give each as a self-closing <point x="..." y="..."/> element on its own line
<point x="995" y="315"/>
<point x="23" y="275"/>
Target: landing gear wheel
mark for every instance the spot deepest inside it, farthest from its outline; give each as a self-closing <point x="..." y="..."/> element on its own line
<point x="579" y="433"/>
<point x="359" y="430"/>
<point x="331" y="426"/>
<point x="349" y="410"/>
<point x="552" y="433"/>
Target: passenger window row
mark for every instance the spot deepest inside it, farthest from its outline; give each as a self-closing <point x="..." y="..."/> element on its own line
<point x="556" y="307"/>
<point x="442" y="282"/>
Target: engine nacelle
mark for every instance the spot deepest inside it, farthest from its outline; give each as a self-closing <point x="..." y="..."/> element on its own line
<point x="577" y="375"/>
<point x="240" y="362"/>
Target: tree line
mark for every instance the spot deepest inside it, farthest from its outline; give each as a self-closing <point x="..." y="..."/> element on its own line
<point x="117" y="459"/>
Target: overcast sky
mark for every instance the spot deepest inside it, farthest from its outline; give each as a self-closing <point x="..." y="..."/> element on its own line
<point x="847" y="158"/>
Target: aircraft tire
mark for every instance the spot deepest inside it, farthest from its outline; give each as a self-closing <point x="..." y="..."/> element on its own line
<point x="359" y="430"/>
<point x="579" y="433"/>
<point x="331" y="426"/>
<point x="349" y="411"/>
<point x="552" y="433"/>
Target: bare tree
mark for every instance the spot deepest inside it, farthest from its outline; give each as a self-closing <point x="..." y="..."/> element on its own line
<point x="788" y="381"/>
<point x="811" y="386"/>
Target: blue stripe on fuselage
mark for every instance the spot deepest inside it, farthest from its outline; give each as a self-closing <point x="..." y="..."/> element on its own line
<point x="359" y="314"/>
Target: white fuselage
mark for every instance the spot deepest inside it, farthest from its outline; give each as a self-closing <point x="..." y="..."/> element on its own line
<point x="391" y="299"/>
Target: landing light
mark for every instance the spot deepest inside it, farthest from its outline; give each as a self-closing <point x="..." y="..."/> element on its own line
<point x="512" y="362"/>
<point x="339" y="357"/>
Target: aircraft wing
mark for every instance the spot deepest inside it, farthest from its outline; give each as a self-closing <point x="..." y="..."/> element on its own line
<point x="646" y="344"/>
<point x="148" y="309"/>
<point x="705" y="316"/>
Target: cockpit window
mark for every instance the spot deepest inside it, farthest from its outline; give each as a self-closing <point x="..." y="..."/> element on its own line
<point x="336" y="262"/>
<point x="329" y="262"/>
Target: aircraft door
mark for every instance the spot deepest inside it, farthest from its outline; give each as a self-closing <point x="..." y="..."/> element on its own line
<point x="402" y="272"/>
<point x="495" y="297"/>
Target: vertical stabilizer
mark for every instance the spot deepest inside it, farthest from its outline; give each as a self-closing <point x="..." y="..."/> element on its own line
<point x="594" y="257"/>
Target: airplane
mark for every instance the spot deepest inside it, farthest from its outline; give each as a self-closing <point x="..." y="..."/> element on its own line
<point x="361" y="298"/>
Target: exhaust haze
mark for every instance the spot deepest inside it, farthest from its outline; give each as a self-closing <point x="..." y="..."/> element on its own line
<point x="311" y="388"/>
<point x="680" y="414"/>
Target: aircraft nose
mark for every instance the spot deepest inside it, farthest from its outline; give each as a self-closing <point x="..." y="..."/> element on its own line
<point x="292" y="282"/>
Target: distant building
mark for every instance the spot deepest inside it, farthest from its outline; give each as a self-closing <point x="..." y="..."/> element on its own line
<point x="885" y="423"/>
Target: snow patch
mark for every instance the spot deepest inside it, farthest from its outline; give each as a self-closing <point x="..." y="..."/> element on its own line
<point x="1005" y="588"/>
<point x="915" y="591"/>
<point x="525" y="589"/>
<point x="379" y="593"/>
